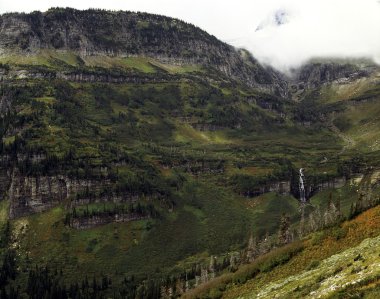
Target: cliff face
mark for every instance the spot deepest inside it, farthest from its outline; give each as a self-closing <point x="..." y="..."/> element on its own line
<point x="316" y="74"/>
<point x="33" y="194"/>
<point x="313" y="75"/>
<point x="95" y="32"/>
<point x="285" y="187"/>
<point x="82" y="76"/>
<point x="89" y="222"/>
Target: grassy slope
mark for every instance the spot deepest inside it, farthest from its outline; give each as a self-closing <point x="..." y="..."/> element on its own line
<point x="209" y="217"/>
<point x="321" y="260"/>
<point x="360" y="118"/>
<point x="198" y="224"/>
<point x="356" y="265"/>
<point x="57" y="59"/>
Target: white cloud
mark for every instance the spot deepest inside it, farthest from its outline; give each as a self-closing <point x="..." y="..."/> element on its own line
<point x="323" y="28"/>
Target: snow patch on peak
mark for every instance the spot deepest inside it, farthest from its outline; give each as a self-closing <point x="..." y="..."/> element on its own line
<point x="277" y="18"/>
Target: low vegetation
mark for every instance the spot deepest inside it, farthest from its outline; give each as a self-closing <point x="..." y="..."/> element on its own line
<point x="173" y="179"/>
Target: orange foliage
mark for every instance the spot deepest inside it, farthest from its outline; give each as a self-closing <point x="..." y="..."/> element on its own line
<point x="317" y="247"/>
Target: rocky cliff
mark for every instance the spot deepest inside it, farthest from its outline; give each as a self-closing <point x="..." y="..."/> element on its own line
<point x="315" y="74"/>
<point x="125" y="34"/>
<point x="33" y="194"/>
<point x="89" y="222"/>
<point x="286" y="188"/>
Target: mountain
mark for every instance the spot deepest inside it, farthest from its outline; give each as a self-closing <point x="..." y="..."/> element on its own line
<point x="277" y="18"/>
<point x="141" y="157"/>
<point x="126" y="34"/>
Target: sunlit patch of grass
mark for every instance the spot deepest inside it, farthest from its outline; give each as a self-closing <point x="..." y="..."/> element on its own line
<point x="9" y="140"/>
<point x="4" y="209"/>
<point x="25" y="59"/>
<point x="47" y="100"/>
<point x="365" y="123"/>
<point x="139" y="63"/>
<point x="177" y="69"/>
<point x="186" y="133"/>
<point x="343" y="92"/>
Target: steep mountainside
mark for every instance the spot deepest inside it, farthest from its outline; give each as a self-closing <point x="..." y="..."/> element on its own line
<point x="95" y="32"/>
<point x="145" y="156"/>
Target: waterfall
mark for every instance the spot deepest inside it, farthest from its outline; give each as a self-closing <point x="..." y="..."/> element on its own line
<point x="302" y="187"/>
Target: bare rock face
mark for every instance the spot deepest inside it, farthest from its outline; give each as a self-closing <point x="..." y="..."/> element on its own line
<point x="93" y="221"/>
<point x="313" y="75"/>
<point x="279" y="187"/>
<point x="77" y="76"/>
<point x="125" y="34"/>
<point x="333" y="183"/>
<point x="33" y="194"/>
<point x="282" y="187"/>
<point x="285" y="188"/>
<point x="316" y="74"/>
<point x="29" y="194"/>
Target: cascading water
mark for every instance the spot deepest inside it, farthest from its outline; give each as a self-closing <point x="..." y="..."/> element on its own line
<point x="302" y="187"/>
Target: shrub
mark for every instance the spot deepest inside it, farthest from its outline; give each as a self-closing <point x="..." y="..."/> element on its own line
<point x="313" y="264"/>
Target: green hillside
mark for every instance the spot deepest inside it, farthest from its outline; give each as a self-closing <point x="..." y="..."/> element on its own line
<point x="148" y="175"/>
<point x="334" y="263"/>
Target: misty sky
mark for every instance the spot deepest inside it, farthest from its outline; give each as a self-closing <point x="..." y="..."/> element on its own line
<point x="308" y="28"/>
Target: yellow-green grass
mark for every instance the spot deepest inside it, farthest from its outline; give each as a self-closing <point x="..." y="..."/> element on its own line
<point x="317" y="248"/>
<point x="47" y="100"/>
<point x="9" y="140"/>
<point x="4" y="208"/>
<point x="177" y="69"/>
<point x="338" y="272"/>
<point x="186" y="133"/>
<point x="364" y="121"/>
<point x="141" y="64"/>
<point x="25" y="59"/>
<point x="56" y="58"/>
<point x="44" y="57"/>
<point x="342" y="92"/>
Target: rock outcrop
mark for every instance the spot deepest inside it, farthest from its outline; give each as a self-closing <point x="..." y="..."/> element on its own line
<point x="84" y="77"/>
<point x="32" y="194"/>
<point x="285" y="187"/>
<point x="125" y="34"/>
<point x="314" y="75"/>
<point x="93" y="221"/>
<point x="29" y="194"/>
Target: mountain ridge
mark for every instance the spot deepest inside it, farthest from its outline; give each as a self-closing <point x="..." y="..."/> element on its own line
<point x="105" y="33"/>
<point x="126" y="34"/>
